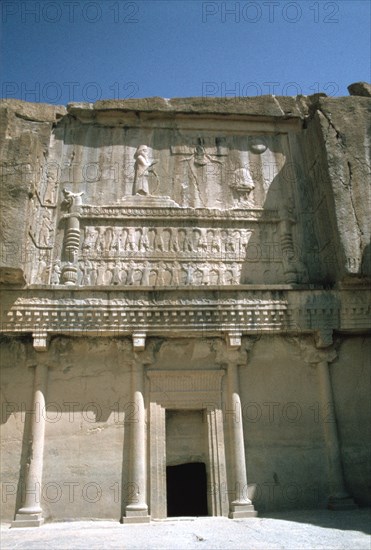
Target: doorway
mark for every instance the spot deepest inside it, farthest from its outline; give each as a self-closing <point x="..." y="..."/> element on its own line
<point x="186" y="490"/>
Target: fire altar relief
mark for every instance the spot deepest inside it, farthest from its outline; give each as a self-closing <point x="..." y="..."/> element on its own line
<point x="214" y="227"/>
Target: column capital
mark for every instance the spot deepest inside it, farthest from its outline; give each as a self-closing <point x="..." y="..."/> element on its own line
<point x="40" y="340"/>
<point x="139" y="341"/>
<point x="312" y="354"/>
<point x="234" y="340"/>
<point x="226" y="353"/>
<point x="323" y="338"/>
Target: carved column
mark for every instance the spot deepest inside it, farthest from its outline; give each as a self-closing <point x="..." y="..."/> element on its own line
<point x="30" y="514"/>
<point x="72" y="237"/>
<point x="287" y="246"/>
<point x="339" y="498"/>
<point x="241" y="506"/>
<point x="137" y="509"/>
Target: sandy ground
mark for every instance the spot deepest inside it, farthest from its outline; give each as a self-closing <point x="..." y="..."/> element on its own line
<point x="313" y="529"/>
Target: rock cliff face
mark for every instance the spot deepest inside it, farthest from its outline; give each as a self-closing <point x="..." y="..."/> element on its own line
<point x="184" y="281"/>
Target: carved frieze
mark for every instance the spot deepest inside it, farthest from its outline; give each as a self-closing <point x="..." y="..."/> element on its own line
<point x="232" y="313"/>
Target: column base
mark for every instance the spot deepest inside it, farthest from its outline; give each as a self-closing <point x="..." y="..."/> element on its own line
<point x="136" y="519"/>
<point x="341" y="503"/>
<point x="136" y="516"/>
<point x="27" y="520"/>
<point x="240" y="511"/>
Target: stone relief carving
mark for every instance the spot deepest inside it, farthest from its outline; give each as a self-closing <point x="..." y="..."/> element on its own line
<point x="43" y="268"/>
<point x="164" y="242"/>
<point x="56" y="273"/>
<point x="198" y="245"/>
<point x="242" y="186"/>
<point x="72" y="199"/>
<point x="143" y="168"/>
<point x="153" y="273"/>
<point x="197" y="160"/>
<point x="46" y="230"/>
<point x="51" y="190"/>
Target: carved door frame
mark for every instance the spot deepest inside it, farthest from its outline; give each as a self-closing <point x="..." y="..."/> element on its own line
<point x="186" y="390"/>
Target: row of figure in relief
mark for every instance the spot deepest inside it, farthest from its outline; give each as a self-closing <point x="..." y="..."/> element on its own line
<point x="157" y="273"/>
<point x="98" y="240"/>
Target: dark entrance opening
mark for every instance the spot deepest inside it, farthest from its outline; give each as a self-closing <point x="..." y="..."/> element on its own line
<point x="186" y="490"/>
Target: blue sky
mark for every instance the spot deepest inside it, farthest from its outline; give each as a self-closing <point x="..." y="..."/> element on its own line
<point x="82" y="50"/>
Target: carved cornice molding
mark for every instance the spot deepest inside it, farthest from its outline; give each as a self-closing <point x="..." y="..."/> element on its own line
<point x="180" y="213"/>
<point x="142" y="314"/>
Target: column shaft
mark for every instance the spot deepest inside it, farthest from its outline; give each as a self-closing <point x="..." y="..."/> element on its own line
<point x="339" y="497"/>
<point x="137" y="509"/>
<point x="241" y="506"/>
<point x="30" y="514"/>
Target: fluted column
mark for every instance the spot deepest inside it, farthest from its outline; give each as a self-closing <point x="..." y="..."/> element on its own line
<point x="241" y="506"/>
<point x="30" y="514"/>
<point x="137" y="509"/>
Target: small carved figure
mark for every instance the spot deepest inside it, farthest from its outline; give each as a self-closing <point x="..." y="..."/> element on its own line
<point x="101" y="271"/>
<point x="122" y="240"/>
<point x="142" y="167"/>
<point x="200" y="157"/>
<point x="175" y="274"/>
<point x="56" y="273"/>
<point x="173" y="244"/>
<point x="214" y="276"/>
<point x="159" y="243"/>
<point x="166" y="232"/>
<point x="205" y="270"/>
<point x="99" y="243"/>
<point x="196" y="236"/>
<point x="161" y="274"/>
<point x="190" y="271"/>
<point x="93" y="275"/>
<point x="202" y="243"/>
<point x="91" y="235"/>
<point x="145" y="274"/>
<point x="108" y="237"/>
<point x="243" y="186"/>
<point x="188" y="241"/>
<point x="144" y="241"/>
<point x="130" y="275"/>
<point x="85" y="268"/>
<point x="50" y="189"/>
<point x="215" y="243"/>
<point x="107" y="277"/>
<point x="42" y="270"/>
<point x="115" y="243"/>
<point x="123" y="276"/>
<point x="221" y="275"/>
<point x="46" y="229"/>
<point x="181" y="240"/>
<point x="131" y="240"/>
<point x="116" y="271"/>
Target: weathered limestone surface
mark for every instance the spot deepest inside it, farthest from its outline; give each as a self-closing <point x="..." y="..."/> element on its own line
<point x="184" y="281"/>
<point x="25" y="130"/>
